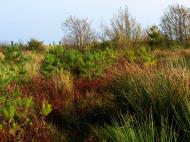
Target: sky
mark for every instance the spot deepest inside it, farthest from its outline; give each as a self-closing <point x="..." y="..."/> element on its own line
<point x="21" y="20"/>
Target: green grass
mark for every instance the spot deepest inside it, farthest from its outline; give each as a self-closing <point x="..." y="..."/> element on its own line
<point x="159" y="93"/>
<point x="133" y="129"/>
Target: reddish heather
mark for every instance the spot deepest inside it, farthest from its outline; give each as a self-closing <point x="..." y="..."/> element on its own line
<point x="37" y="131"/>
<point x="43" y="89"/>
<point x="83" y="85"/>
<point x="6" y="137"/>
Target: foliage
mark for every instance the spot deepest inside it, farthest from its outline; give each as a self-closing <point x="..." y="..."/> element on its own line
<point x="141" y="55"/>
<point x="11" y="103"/>
<point x="14" y="61"/>
<point x="46" y="108"/>
<point x="125" y="30"/>
<point x="175" y="24"/>
<point x="5" y="78"/>
<point x="78" y="32"/>
<point x="89" y="63"/>
<point x="13" y="55"/>
<point x="35" y="44"/>
<point x="155" y="37"/>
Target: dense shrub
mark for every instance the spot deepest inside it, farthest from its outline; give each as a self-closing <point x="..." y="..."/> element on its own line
<point x="18" y="118"/>
<point x="89" y="63"/>
<point x="14" y="55"/>
<point x="14" y="63"/>
<point x="84" y="85"/>
<point x="141" y="55"/>
<point x="41" y="89"/>
<point x="35" y="44"/>
<point x="37" y="131"/>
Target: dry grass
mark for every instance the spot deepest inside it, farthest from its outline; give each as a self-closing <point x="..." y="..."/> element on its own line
<point x="171" y="53"/>
<point x="64" y="80"/>
<point x="1" y="56"/>
<point x="33" y="66"/>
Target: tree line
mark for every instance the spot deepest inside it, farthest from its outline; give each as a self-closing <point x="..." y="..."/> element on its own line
<point x="124" y="31"/>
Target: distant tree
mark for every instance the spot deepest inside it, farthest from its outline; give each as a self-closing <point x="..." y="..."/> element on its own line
<point x="78" y="32"/>
<point x="124" y="29"/>
<point x="155" y="37"/>
<point x="175" y="24"/>
<point x="104" y="33"/>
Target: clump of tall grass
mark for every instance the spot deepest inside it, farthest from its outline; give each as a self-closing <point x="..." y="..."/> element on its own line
<point x="133" y="129"/>
<point x="33" y="66"/>
<point x="172" y="59"/>
<point x="2" y="56"/>
<point x="163" y="92"/>
<point x="64" y="80"/>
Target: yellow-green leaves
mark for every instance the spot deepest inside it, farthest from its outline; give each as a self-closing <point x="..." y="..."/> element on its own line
<point x="46" y="108"/>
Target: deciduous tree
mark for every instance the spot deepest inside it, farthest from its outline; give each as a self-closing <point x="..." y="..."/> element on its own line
<point x="175" y="24"/>
<point x="78" y="32"/>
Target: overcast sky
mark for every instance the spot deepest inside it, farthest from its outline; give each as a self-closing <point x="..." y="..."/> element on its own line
<point x="41" y="19"/>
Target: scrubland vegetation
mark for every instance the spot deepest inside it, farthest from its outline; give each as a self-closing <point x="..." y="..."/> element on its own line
<point x="125" y="84"/>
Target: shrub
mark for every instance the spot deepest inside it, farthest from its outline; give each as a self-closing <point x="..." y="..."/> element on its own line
<point x="13" y="55"/>
<point x="20" y="118"/>
<point x="15" y="114"/>
<point x="90" y="63"/>
<point x="41" y="89"/>
<point x="84" y="85"/>
<point x="130" y="54"/>
<point x="145" y="56"/>
<point x="35" y="44"/>
<point x="14" y="62"/>
<point x="5" y="78"/>
<point x="141" y="55"/>
<point x="38" y="131"/>
<point x="11" y="103"/>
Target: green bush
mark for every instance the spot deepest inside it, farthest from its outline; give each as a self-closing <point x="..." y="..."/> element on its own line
<point x="11" y="105"/>
<point x="88" y="63"/>
<point x="145" y="56"/>
<point x="130" y="55"/>
<point x="6" y="77"/>
<point x="13" y="64"/>
<point x="14" y="55"/>
<point x="141" y="55"/>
